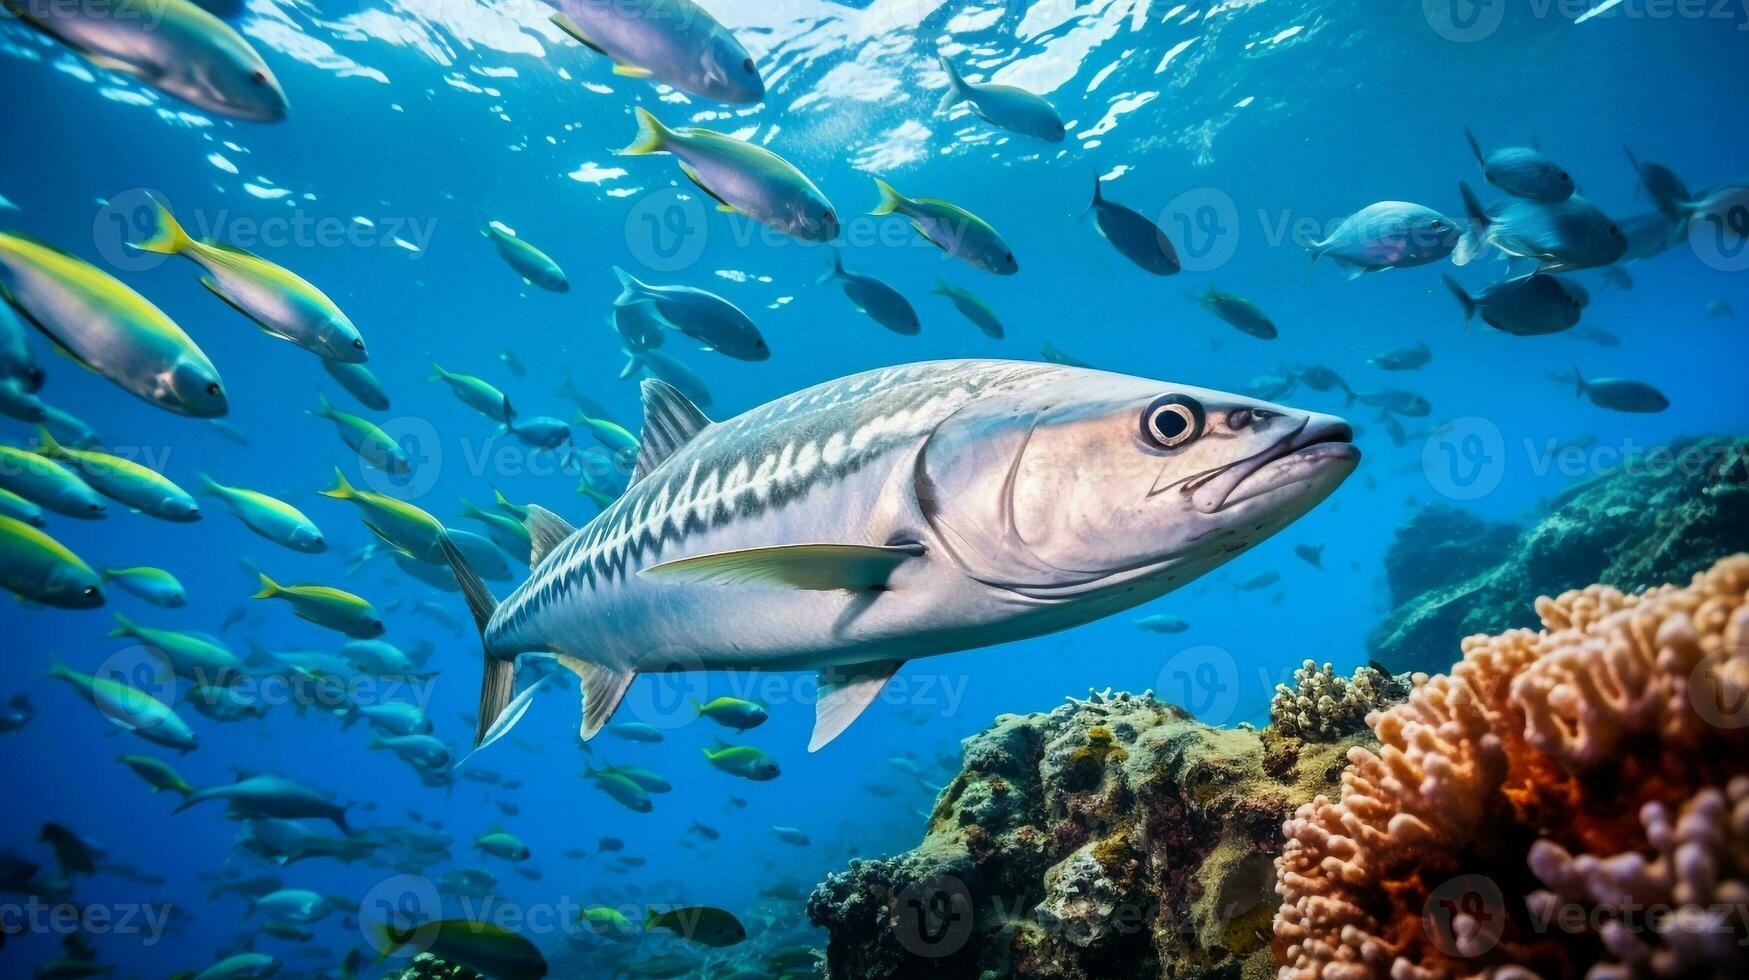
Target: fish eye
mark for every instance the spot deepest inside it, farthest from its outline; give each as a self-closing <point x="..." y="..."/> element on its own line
<point x="90" y="592"/>
<point x="213" y="389"/>
<point x="1564" y="176"/>
<point x="358" y="345"/>
<point x="1613" y="230"/>
<point x="1172" y="420"/>
<point x="94" y="508"/>
<point x="258" y="77"/>
<point x="830" y="217"/>
<point x="747" y="66"/>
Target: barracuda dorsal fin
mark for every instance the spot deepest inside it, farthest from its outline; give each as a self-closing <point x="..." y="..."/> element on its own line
<point x="603" y="689"/>
<point x="843" y="694"/>
<point x="545" y="531"/>
<point x="811" y="567"/>
<point x="671" y="420"/>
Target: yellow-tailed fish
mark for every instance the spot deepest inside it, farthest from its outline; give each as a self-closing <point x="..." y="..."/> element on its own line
<point x="529" y="262"/>
<point x="172" y="45"/>
<point x="742" y="177"/>
<point x="195" y="656"/>
<point x="478" y="394"/>
<point x="506" y="532"/>
<point x="125" y="481"/>
<point x="481" y="946"/>
<point x="675" y="42"/>
<point x="327" y="607"/>
<point x="374" y="446"/>
<point x="401" y="524"/>
<point x="129" y="707"/>
<point x="155" y="585"/>
<point x="951" y="228"/>
<point x="36" y="567"/>
<point x="270" y="517"/>
<point x="48" y="484"/>
<point x="279" y="301"/>
<point x="107" y="327"/>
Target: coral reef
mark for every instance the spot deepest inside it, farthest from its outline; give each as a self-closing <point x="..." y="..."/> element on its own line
<point x="1113" y="836"/>
<point x="1659" y="518"/>
<point x="427" y="967"/>
<point x="1321" y="706"/>
<point x="1569" y="802"/>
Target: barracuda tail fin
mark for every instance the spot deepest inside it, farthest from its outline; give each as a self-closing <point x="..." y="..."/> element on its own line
<point x="500" y="676"/>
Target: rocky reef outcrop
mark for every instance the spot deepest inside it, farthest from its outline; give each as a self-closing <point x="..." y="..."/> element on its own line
<point x="1658" y="518"/>
<point x="1115" y="836"/>
<point x="1571" y="801"/>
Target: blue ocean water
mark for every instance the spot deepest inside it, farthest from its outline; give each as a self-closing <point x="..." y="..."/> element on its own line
<point x="1244" y="127"/>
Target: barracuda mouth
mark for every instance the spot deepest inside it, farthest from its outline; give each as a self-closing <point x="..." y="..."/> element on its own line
<point x="1297" y="457"/>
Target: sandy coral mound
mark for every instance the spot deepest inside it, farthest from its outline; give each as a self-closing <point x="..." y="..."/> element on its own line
<point x="1567" y="802"/>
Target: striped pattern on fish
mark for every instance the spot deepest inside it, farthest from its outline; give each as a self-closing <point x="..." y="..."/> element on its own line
<point x="895" y="514"/>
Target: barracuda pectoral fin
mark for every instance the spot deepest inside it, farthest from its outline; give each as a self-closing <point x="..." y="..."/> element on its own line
<point x="811" y="567"/>
<point x="603" y="690"/>
<point x="844" y="693"/>
<point x="632" y="71"/>
<point x="546" y="530"/>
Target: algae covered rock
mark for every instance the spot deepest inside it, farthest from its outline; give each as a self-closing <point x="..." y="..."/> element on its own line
<point x="1113" y="836"/>
<point x="1660" y="517"/>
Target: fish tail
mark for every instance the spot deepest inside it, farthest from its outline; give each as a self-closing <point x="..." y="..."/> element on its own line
<point x="49" y="446"/>
<point x="634" y="364"/>
<point x="651" y="135"/>
<point x="269" y="588"/>
<point x="58" y="670"/>
<point x="891" y="200"/>
<point x="955" y="93"/>
<point x="324" y="407"/>
<point x="499" y="680"/>
<point x="1579" y="385"/>
<point x="941" y="288"/>
<point x="123" y="626"/>
<point x="341" y="490"/>
<point x="834" y="272"/>
<point x="437" y="372"/>
<point x="207" y="485"/>
<point x="166" y="236"/>
<point x="630" y="289"/>
<point x="1464" y="299"/>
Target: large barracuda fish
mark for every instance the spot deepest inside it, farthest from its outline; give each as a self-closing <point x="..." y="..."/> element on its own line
<point x="897" y="514"/>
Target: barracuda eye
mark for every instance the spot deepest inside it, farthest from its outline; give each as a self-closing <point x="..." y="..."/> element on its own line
<point x="1172" y="420"/>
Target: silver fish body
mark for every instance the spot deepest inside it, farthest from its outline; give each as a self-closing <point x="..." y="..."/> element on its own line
<point x="999" y="499"/>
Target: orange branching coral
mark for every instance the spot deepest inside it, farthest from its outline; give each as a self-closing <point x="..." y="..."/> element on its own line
<point x="1451" y="850"/>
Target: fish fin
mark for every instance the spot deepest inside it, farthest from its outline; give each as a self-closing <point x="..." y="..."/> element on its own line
<point x="571" y="29"/>
<point x="812" y="567"/>
<point x="1465" y="299"/>
<point x="213" y="287"/>
<point x="500" y="675"/>
<point x="891" y="200"/>
<point x="546" y="531"/>
<point x="835" y="272"/>
<point x="634" y="364"/>
<point x="843" y="694"/>
<point x="955" y="93"/>
<point x="1475" y="238"/>
<point x="341" y="490"/>
<point x="1475" y="147"/>
<point x="917" y="227"/>
<point x="603" y="688"/>
<point x="671" y="420"/>
<point x="166" y="236"/>
<point x="269" y="588"/>
<point x="1579" y="385"/>
<point x="632" y="71"/>
<point x="505" y="721"/>
<point x="699" y="183"/>
<point x="651" y="134"/>
<point x="630" y="289"/>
